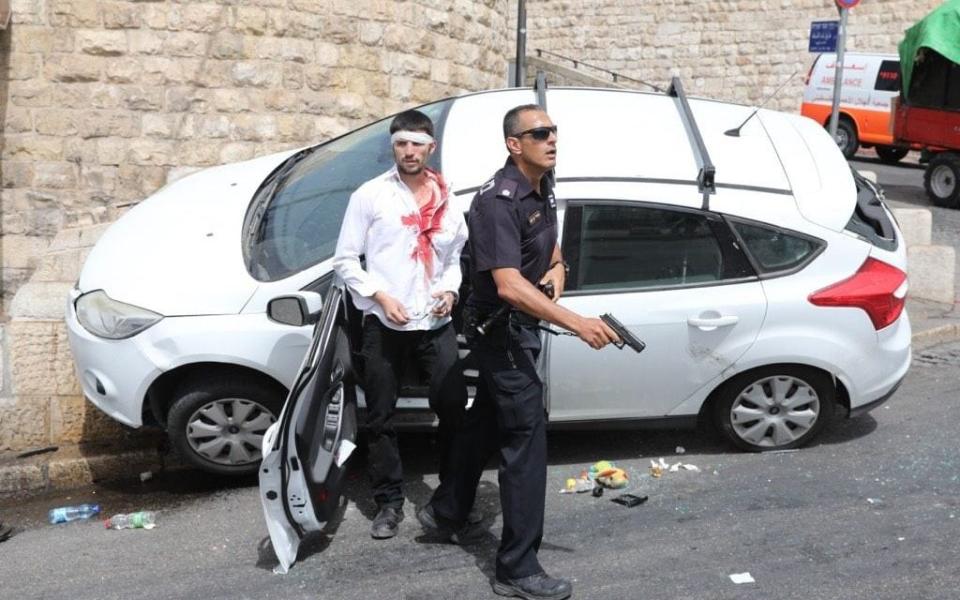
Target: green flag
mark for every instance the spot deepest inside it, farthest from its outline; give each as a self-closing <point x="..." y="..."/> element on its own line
<point x="940" y="31"/>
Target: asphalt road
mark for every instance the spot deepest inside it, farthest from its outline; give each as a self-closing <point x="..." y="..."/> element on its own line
<point x="870" y="512"/>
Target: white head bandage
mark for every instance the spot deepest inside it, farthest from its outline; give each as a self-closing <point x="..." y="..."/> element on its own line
<point x="417" y="137"/>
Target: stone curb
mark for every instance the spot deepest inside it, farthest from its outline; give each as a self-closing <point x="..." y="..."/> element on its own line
<point x="71" y="467"/>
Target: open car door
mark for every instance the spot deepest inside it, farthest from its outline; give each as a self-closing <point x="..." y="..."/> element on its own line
<point x="306" y="450"/>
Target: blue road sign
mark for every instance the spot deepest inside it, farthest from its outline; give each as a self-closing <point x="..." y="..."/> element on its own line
<point x="823" y="36"/>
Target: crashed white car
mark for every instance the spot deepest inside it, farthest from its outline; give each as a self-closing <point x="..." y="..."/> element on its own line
<point x="765" y="278"/>
<point x="768" y="286"/>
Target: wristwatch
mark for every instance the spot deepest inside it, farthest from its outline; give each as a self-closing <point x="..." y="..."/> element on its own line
<point x="566" y="267"/>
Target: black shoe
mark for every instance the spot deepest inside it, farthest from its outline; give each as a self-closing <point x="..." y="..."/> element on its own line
<point x="446" y="531"/>
<point x="386" y="523"/>
<point x="535" y="587"/>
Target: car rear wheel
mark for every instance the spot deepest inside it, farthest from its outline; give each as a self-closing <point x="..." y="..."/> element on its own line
<point x="891" y="154"/>
<point x="218" y="424"/>
<point x="847" y="138"/>
<point x="775" y="408"/>
<point x="941" y="180"/>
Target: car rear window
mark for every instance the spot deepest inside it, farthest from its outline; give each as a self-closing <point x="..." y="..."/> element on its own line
<point x="870" y="219"/>
<point x="294" y="219"/>
<point x="777" y="251"/>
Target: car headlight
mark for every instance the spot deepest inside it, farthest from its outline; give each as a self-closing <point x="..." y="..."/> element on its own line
<point x="105" y="317"/>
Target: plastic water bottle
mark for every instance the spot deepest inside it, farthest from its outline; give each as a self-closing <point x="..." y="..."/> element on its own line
<point x="64" y="514"/>
<point x="145" y="519"/>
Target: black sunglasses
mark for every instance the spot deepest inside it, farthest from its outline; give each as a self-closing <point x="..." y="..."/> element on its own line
<point x="538" y="133"/>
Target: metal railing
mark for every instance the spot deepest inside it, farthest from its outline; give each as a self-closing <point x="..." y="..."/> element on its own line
<point x="617" y="77"/>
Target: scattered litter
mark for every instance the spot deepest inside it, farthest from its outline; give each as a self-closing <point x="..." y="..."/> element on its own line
<point x="900" y="539"/>
<point x="579" y="485"/>
<point x="739" y="578"/>
<point x="597" y="491"/>
<point x="629" y="500"/>
<point x="146" y="475"/>
<point x="600" y="465"/>
<point x="659" y="467"/>
<point x="784" y="451"/>
<point x="681" y="450"/>
<point x="873" y="501"/>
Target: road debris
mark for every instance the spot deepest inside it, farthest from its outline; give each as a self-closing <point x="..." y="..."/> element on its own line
<point x="659" y="467"/>
<point x="739" y="578"/>
<point x="146" y="476"/>
<point x="681" y="450"/>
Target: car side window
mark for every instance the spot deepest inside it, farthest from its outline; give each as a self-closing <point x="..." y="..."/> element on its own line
<point x="775" y="250"/>
<point x="619" y="246"/>
<point x="295" y="218"/>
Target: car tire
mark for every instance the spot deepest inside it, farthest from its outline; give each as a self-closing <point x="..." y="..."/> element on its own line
<point x="775" y="408"/>
<point x="891" y="155"/>
<point x="847" y="138"/>
<point x="941" y="180"/>
<point x="205" y="429"/>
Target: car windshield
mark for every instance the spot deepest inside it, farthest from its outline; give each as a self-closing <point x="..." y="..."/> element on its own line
<point x="294" y="218"/>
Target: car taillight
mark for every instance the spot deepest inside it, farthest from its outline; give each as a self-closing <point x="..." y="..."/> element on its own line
<point x="877" y="288"/>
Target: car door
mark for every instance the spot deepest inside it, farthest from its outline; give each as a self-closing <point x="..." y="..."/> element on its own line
<point x="305" y="451"/>
<point x="678" y="280"/>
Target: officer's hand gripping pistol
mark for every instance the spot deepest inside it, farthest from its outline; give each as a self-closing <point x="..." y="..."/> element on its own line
<point x="628" y="339"/>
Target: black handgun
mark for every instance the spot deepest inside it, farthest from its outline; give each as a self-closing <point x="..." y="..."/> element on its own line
<point x="628" y="339"/>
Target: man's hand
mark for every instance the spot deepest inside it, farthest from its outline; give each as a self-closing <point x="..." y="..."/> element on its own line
<point x="393" y="310"/>
<point x="596" y="333"/>
<point x="558" y="276"/>
<point x="445" y="302"/>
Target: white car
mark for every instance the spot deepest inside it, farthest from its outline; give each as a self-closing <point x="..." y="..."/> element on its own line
<point x="769" y="291"/>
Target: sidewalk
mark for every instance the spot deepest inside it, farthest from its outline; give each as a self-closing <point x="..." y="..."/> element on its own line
<point x="76" y="466"/>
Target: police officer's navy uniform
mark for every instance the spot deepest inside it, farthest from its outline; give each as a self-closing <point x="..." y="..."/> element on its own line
<point x="511" y="225"/>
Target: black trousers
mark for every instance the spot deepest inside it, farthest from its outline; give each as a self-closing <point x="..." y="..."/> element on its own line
<point x="507" y="415"/>
<point x="384" y="351"/>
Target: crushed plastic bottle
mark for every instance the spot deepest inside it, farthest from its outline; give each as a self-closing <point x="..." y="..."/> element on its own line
<point x="64" y="514"/>
<point x="145" y="519"/>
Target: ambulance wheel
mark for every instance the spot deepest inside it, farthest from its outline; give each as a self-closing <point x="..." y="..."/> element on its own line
<point x="847" y="138"/>
<point x="942" y="180"/>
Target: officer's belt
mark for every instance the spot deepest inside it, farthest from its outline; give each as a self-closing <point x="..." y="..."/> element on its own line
<point x="514" y="316"/>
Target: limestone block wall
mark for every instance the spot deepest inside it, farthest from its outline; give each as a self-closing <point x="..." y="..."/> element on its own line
<point x="103" y="101"/>
<point x="734" y="50"/>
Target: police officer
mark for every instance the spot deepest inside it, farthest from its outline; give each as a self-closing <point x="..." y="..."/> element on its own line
<point x="513" y="244"/>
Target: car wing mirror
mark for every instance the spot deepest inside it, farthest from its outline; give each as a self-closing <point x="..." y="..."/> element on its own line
<point x="301" y="308"/>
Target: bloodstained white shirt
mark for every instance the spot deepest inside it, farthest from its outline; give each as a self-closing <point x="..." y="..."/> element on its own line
<point x="410" y="253"/>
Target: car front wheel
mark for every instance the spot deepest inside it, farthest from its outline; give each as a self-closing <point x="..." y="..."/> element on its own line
<point x="775" y="408"/>
<point x="218" y="424"/>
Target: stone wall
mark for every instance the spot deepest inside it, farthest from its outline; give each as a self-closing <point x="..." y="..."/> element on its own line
<point x="735" y="50"/>
<point x="104" y="101"/>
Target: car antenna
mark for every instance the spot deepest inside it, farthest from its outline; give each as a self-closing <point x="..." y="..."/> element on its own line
<point x="735" y="132"/>
<point x="707" y="175"/>
<point x="540" y="88"/>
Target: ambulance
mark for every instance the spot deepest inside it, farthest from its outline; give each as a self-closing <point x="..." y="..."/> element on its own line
<point x="870" y="83"/>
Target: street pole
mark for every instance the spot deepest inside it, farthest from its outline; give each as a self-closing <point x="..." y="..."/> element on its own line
<point x="838" y="73"/>
<point x="518" y="74"/>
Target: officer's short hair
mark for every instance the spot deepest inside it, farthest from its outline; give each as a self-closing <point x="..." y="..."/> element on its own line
<point x="412" y="120"/>
<point x="511" y="120"/>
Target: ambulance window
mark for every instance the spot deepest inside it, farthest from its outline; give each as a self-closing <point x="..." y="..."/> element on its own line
<point x="888" y="79"/>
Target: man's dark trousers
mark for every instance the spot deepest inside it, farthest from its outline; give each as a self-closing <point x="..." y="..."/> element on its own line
<point x="507" y="415"/>
<point x="384" y="351"/>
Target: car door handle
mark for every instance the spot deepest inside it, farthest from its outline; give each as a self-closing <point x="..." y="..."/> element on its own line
<point x="713" y="322"/>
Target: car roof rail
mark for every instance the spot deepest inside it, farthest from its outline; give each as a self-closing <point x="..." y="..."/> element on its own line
<point x="540" y="88"/>
<point x="706" y="177"/>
